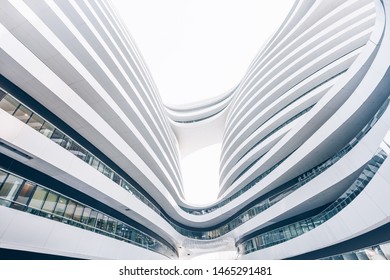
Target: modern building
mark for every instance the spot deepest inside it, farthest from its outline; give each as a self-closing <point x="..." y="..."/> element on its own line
<point x="90" y="156"/>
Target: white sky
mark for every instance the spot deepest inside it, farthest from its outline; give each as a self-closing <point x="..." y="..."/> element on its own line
<point x="199" y="49"/>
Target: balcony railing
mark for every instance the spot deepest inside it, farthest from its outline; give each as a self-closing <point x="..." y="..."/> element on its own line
<point x="27" y="196"/>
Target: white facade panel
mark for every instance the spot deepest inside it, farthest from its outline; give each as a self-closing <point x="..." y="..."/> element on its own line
<point x="296" y="133"/>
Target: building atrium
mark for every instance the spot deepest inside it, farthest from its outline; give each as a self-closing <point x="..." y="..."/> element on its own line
<point x="90" y="157"/>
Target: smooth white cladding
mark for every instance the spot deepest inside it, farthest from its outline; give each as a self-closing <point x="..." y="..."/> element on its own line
<point x="81" y="65"/>
<point x="287" y="90"/>
<point x="298" y="132"/>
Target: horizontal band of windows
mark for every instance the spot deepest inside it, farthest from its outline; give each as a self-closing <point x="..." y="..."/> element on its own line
<point x="15" y="108"/>
<point x="261" y="204"/>
<point x="27" y="196"/>
<point x="376" y="252"/>
<point x="9" y="88"/>
<point x="372" y="238"/>
<point x="296" y="229"/>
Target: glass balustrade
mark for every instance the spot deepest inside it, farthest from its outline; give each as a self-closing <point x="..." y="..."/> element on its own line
<point x="27" y="196"/>
<point x="11" y="105"/>
<point x="305" y="177"/>
<point x="376" y="252"/>
<point x="293" y="230"/>
<point x="14" y="107"/>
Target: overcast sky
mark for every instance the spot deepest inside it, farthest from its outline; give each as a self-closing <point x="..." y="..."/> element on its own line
<point x="199" y="49"/>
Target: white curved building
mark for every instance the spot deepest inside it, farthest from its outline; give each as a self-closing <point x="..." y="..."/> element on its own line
<point x="90" y="156"/>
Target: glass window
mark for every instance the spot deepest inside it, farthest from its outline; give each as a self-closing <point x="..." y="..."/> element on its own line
<point x="78" y="212"/>
<point x="102" y="221"/>
<point x="92" y="218"/>
<point x="94" y="162"/>
<point x="57" y="136"/>
<point x="310" y="224"/>
<point x="298" y="229"/>
<point x="66" y="142"/>
<point x="70" y="209"/>
<point x="292" y="230"/>
<point x="10" y="187"/>
<point x="127" y="232"/>
<point x="304" y="226"/>
<point x="116" y="178"/>
<point x="60" y="207"/>
<point x="2" y="94"/>
<point x="50" y="203"/>
<point x="318" y="220"/>
<point x="47" y="129"/>
<point x="101" y="167"/>
<point x="38" y="198"/>
<point x="107" y="171"/>
<point x="9" y="104"/>
<point x="139" y="238"/>
<point x="23" y="114"/>
<point x="111" y="225"/>
<point x="36" y="122"/>
<point x="24" y="195"/>
<point x="86" y="213"/>
<point x="77" y="150"/>
<point x="3" y="175"/>
<point x="126" y="185"/>
<point x="99" y="220"/>
<point x="120" y="229"/>
<point x="88" y="158"/>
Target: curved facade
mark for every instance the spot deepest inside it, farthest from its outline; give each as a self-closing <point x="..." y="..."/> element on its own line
<point x="90" y="154"/>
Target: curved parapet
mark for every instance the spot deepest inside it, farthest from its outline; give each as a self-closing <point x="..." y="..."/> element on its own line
<point x="308" y="67"/>
<point x="92" y="72"/>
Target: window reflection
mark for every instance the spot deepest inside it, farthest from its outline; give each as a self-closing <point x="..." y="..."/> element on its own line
<point x="38" y="199"/>
<point x="376" y="252"/>
<point x="60" y="208"/>
<point x="14" y="107"/>
<point x="23" y="114"/>
<point x="86" y="213"/>
<point x="78" y="212"/>
<point x="50" y="203"/>
<point x="298" y="228"/>
<point x="18" y="110"/>
<point x="36" y="122"/>
<point x="3" y="176"/>
<point x="9" y="104"/>
<point x="9" y="189"/>
<point x="92" y="218"/>
<point x="47" y="129"/>
<point x="24" y="195"/>
<point x="70" y="210"/>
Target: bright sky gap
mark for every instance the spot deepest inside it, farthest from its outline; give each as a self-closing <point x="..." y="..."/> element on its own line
<point x="196" y="50"/>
